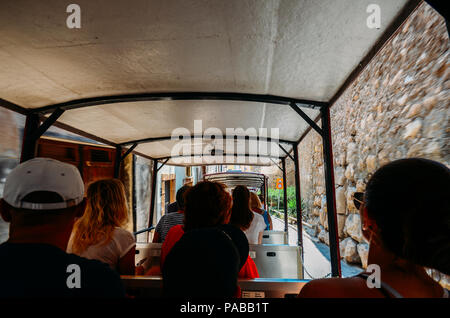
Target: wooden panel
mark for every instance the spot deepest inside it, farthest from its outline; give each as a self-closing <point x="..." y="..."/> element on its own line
<point x="98" y="163"/>
<point x="59" y="150"/>
<point x="93" y="162"/>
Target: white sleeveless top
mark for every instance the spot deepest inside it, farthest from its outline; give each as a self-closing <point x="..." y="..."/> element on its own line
<point x="121" y="243"/>
<point x="258" y="225"/>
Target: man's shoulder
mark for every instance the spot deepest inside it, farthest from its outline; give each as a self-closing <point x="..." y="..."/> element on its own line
<point x="97" y="278"/>
<point x="61" y="274"/>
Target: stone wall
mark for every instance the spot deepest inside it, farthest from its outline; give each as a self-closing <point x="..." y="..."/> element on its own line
<point x="398" y="107"/>
<point x="10" y="146"/>
<point x="143" y="171"/>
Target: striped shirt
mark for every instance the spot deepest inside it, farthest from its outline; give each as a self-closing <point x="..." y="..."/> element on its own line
<point x="166" y="223"/>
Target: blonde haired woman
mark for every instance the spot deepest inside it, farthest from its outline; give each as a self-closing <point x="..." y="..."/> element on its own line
<point x="98" y="234"/>
<point x="256" y="206"/>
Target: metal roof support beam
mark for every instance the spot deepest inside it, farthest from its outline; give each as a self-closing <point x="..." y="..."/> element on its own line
<point x="33" y="131"/>
<point x="156" y="139"/>
<point x="103" y="100"/>
<point x="162" y="164"/>
<point x="306" y="118"/>
<point x="276" y="164"/>
<point x="47" y="123"/>
<point x="286" y="152"/>
<point x="222" y="155"/>
<point x="128" y="152"/>
<point x="13" y="107"/>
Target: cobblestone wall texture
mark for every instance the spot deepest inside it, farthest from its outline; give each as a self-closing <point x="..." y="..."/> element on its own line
<point x="398" y="107"/>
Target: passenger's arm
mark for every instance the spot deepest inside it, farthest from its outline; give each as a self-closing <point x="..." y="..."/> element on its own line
<point x="270" y="221"/>
<point x="126" y="263"/>
<point x="262" y="227"/>
<point x="260" y="237"/>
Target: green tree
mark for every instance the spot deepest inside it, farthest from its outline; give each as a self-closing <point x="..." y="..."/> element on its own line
<point x="291" y="200"/>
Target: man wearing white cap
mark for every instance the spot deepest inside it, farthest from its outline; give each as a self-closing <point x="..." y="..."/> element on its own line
<point x="41" y="199"/>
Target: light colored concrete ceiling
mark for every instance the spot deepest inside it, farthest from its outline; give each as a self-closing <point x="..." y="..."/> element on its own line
<point x="301" y="49"/>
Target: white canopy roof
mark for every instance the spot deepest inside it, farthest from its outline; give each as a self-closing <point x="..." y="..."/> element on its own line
<point x="232" y="179"/>
<point x="298" y="50"/>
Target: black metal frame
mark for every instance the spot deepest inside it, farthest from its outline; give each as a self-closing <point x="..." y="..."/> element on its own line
<point x="223" y="137"/>
<point x="161" y="96"/>
<point x="33" y="131"/>
<point x="286" y="221"/>
<point x="153" y="193"/>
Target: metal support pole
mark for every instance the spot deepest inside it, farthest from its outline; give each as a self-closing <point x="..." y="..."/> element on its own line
<point x="118" y="161"/>
<point x="286" y="223"/>
<point x="266" y="193"/>
<point x="263" y="192"/>
<point x="153" y="193"/>
<point x="330" y="192"/>
<point x="133" y="189"/>
<point x="298" y="199"/>
<point x="29" y="140"/>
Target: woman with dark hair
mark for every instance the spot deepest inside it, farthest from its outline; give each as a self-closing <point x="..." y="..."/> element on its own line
<point x="207" y="204"/>
<point x="211" y="259"/>
<point x="243" y="217"/>
<point x="406" y="219"/>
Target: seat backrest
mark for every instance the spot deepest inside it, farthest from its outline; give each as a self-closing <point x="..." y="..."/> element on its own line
<point x="151" y="286"/>
<point x="274" y="237"/>
<point x="277" y="261"/>
<point x="149" y="251"/>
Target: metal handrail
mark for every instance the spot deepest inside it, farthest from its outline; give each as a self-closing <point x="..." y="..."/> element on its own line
<point x="148" y="229"/>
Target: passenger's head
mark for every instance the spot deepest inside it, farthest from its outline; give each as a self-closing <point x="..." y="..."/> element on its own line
<point x="207" y="204"/>
<point x="42" y="193"/>
<point x="255" y="203"/>
<point x="239" y="239"/>
<point x="106" y="209"/>
<point x="407" y="205"/>
<point x="241" y="214"/>
<point x="210" y="265"/>
<point x="180" y="196"/>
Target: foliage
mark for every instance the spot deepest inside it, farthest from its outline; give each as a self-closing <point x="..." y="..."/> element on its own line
<point x="291" y="200"/>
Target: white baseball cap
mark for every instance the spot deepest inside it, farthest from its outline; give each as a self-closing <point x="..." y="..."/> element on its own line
<point x="44" y="174"/>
